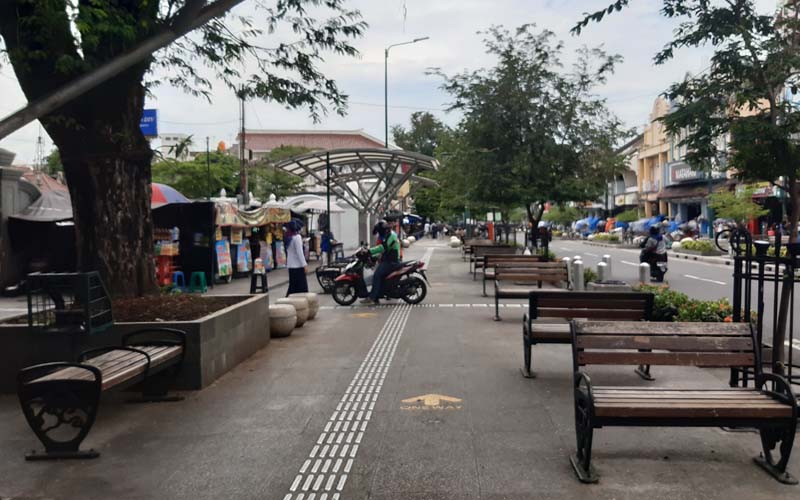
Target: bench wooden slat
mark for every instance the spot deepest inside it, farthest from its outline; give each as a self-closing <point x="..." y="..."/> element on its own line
<point x="714" y="411"/>
<point x="121" y="376"/>
<point x="622" y="314"/>
<point x="662" y="328"/>
<point x="571" y="301"/>
<point x="664" y="342"/>
<point x="714" y="359"/>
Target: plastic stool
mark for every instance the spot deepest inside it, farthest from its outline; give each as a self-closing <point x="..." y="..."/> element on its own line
<point x="197" y="282"/>
<point x="179" y="280"/>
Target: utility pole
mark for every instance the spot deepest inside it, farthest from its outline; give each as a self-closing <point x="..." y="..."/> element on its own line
<point x="242" y="148"/>
<point x="208" y="169"/>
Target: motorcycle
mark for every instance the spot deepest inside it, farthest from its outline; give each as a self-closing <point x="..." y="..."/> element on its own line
<point x="658" y="264"/>
<point x="409" y="282"/>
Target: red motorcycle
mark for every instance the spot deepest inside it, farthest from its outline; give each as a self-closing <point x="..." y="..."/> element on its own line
<point x="408" y="282"/>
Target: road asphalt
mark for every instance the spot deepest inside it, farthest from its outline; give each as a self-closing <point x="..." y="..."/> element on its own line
<point x="394" y="402"/>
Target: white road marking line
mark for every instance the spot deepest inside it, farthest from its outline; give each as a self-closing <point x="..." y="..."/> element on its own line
<point x="629" y="263"/>
<point x="705" y="279"/>
<point x="591" y="254"/>
<point x="368" y="379"/>
<point x="426" y="258"/>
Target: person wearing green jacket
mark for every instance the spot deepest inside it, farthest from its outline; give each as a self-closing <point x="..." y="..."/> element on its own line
<point x="389" y="250"/>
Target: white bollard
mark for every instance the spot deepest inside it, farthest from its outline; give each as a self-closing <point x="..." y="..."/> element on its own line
<point x="577" y="257"/>
<point x="607" y="260"/>
<point x="602" y="271"/>
<point x="577" y="273"/>
<point x="644" y="272"/>
<point x="568" y="262"/>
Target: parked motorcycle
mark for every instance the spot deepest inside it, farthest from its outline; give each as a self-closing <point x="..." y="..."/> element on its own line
<point x="408" y="282"/>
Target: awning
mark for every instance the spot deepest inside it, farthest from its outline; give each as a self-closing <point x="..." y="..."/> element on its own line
<point x="51" y="206"/>
<point x="695" y="191"/>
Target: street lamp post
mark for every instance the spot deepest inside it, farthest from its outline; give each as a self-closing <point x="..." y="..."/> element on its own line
<point x="386" y="84"/>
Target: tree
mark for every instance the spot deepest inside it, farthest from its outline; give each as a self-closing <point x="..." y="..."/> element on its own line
<point x="423" y="136"/>
<point x="738" y="206"/>
<point x="107" y="161"/>
<point x="739" y="114"/>
<point x="265" y="179"/>
<point x="563" y="216"/>
<point x="197" y="179"/>
<point x="53" y="163"/>
<point x="532" y="132"/>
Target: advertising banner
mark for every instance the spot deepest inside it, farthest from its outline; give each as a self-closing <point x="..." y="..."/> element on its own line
<point x="223" y="251"/>
<point x="149" y="123"/>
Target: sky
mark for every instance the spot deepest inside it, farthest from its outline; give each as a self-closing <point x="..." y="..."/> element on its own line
<point x="455" y="45"/>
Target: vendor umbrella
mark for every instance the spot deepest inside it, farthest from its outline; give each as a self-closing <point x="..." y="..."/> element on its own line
<point x="163" y="194"/>
<point x="318" y="206"/>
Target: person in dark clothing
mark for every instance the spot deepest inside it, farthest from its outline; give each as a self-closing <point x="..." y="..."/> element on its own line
<point x="389" y="250"/>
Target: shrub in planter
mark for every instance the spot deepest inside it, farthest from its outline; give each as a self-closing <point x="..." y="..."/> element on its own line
<point x="666" y="303"/>
<point x="606" y="237"/>
<point x="702" y="246"/>
<point x="589" y="275"/>
<point x="706" y="311"/>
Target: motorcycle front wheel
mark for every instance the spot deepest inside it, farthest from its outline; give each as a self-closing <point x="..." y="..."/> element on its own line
<point x="416" y="290"/>
<point x="344" y="293"/>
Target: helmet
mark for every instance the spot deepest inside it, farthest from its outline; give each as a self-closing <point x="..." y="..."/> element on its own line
<point x="381" y="228"/>
<point x="654" y="230"/>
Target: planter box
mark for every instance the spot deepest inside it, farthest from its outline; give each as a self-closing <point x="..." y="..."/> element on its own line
<point x="214" y="344"/>
<point x="712" y="253"/>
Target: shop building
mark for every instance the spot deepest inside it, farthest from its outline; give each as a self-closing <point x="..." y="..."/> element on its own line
<point x="625" y="187"/>
<point x="653" y="156"/>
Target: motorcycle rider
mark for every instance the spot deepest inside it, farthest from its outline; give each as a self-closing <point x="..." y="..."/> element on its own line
<point x="654" y="250"/>
<point x="389" y="249"/>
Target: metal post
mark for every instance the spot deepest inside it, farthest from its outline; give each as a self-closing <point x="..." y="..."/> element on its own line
<point x="577" y="271"/>
<point x="208" y="169"/>
<point x="644" y="272"/>
<point x="386" y="96"/>
<point x="568" y="262"/>
<point x="607" y="260"/>
<point x="602" y="271"/>
<point x="328" y="198"/>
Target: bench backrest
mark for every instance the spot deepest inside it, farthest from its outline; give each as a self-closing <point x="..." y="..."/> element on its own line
<point x="490" y="260"/>
<point x="663" y="343"/>
<point x="478" y="241"/>
<point x="630" y="306"/>
<point x="480" y="251"/>
<point x="533" y="272"/>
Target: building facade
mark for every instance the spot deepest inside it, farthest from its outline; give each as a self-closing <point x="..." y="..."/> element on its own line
<point x="653" y="155"/>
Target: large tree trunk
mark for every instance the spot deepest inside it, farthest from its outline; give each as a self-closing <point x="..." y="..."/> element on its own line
<point x="107" y="166"/>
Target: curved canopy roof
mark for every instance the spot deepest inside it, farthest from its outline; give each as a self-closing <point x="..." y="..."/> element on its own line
<point x="367" y="178"/>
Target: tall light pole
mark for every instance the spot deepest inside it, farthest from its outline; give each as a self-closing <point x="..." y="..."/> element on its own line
<point x="386" y="83"/>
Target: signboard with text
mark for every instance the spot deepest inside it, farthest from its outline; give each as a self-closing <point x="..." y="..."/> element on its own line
<point x="683" y="172"/>
<point x="149" y="123"/>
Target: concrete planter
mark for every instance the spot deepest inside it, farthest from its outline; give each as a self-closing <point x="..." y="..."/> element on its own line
<point x="214" y="344"/>
<point x="712" y="253"/>
<point x="608" y="286"/>
<point x="300" y="305"/>
<point x="313" y="303"/>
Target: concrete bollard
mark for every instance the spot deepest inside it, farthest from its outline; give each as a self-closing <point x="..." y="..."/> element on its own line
<point x="607" y="260"/>
<point x="577" y="257"/>
<point x="602" y="271"/>
<point x="644" y="272"/>
<point x="577" y="273"/>
<point x="568" y="262"/>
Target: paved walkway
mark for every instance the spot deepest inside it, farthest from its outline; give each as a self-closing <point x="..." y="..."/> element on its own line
<point x="394" y="402"/>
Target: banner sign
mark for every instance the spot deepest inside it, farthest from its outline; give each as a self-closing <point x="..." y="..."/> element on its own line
<point x="223" y="251"/>
<point x="149" y="123"/>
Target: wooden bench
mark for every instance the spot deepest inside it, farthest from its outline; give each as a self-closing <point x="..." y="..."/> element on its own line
<point x="533" y="274"/>
<point x="490" y="262"/>
<point x="467" y="246"/>
<point x="770" y="406"/>
<point x="544" y="306"/>
<point x="60" y="400"/>
<point x="479" y="251"/>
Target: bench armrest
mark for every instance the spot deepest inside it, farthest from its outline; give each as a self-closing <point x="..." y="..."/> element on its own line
<point x="582" y="379"/>
<point x="781" y="389"/>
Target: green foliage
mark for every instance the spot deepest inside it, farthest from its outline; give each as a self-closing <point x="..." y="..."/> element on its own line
<point x="628" y="215"/>
<point x="737" y="206"/>
<point x="589" y="276"/>
<point x="192" y="177"/>
<point x="607" y="237"/>
<point x="562" y="216"/>
<point x="423" y="136"/>
<point x="670" y="305"/>
<point x="666" y="302"/>
<point x="53" y="163"/>
<point x="704" y="246"/>
<point x="531" y="130"/>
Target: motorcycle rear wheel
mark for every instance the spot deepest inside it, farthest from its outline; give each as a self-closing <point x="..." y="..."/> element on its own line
<point x="416" y="290"/>
<point x="344" y="293"/>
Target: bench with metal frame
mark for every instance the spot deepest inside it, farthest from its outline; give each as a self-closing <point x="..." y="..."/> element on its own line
<point x="533" y="274"/>
<point x="770" y="406"/>
<point x="478" y="252"/>
<point x="490" y="262"/>
<point x="467" y="246"/>
<point x="544" y="306"/>
<point x="60" y="400"/>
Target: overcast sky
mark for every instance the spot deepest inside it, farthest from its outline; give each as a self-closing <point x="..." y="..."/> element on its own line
<point x="635" y="33"/>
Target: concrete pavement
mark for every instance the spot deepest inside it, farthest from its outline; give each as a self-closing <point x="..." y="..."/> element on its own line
<point x="393" y="402"/>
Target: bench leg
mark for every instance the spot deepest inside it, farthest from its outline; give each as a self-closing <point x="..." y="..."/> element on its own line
<point x="156" y="389"/>
<point x="644" y="372"/>
<point x="783" y="439"/>
<point x="496" y="307"/>
<point x="60" y="412"/>
<point x="584" y="432"/>
<point x="526" y="351"/>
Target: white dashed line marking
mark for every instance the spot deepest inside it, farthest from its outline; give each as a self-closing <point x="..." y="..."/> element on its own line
<point x="705" y="279"/>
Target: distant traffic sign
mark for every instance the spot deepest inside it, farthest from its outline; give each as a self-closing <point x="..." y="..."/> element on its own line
<point x="149" y="123"/>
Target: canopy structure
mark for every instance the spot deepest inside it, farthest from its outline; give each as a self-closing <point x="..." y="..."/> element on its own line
<point x="366" y="178"/>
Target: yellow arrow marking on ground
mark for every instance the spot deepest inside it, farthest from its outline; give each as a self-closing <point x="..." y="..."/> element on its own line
<point x="363" y="315"/>
<point x="431" y="400"/>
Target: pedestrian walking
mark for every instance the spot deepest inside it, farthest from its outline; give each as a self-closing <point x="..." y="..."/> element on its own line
<point x="295" y="260"/>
